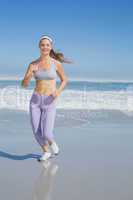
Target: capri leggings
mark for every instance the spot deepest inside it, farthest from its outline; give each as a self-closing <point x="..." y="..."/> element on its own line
<point x="42" y="109"/>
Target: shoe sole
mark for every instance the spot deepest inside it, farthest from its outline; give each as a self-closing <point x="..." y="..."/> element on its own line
<point x="56" y="154"/>
<point x="38" y="159"/>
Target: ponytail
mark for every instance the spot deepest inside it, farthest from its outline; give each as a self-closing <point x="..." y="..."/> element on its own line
<point x="59" y="56"/>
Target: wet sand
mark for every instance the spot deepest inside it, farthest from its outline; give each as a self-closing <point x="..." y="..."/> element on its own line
<point x="95" y="160"/>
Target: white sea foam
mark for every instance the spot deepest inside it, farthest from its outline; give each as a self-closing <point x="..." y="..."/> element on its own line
<point x="15" y="97"/>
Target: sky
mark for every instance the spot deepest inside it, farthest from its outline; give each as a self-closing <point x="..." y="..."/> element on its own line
<point x="96" y="35"/>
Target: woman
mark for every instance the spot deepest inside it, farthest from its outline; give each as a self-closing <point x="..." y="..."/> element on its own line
<point x="43" y="100"/>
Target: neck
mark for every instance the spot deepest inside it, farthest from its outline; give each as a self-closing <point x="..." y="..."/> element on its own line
<point x="44" y="57"/>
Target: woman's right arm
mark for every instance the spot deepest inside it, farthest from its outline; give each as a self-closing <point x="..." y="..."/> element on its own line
<point x="28" y="75"/>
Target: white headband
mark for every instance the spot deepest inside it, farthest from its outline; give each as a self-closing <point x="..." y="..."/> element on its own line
<point x="47" y="37"/>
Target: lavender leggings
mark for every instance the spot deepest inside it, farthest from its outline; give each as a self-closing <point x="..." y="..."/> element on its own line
<point x="42" y="109"/>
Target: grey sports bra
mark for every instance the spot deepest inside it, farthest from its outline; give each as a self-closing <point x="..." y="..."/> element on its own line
<point x="45" y="74"/>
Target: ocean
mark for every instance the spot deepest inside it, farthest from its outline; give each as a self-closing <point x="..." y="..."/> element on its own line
<point x="93" y="98"/>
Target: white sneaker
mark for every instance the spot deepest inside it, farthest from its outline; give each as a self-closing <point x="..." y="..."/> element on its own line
<point x="45" y="156"/>
<point x="54" y="148"/>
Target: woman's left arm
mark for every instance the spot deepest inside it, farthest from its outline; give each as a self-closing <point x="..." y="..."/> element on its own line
<point x="63" y="77"/>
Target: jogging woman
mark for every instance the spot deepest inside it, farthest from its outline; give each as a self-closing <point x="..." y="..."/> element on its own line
<point x="42" y="104"/>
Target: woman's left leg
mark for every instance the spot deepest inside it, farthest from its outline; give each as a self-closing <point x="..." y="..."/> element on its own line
<point x="48" y="117"/>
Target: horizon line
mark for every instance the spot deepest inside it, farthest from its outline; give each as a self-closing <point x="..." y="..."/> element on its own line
<point x="8" y="77"/>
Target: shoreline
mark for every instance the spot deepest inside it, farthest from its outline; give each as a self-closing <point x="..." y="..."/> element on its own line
<point x="75" y="79"/>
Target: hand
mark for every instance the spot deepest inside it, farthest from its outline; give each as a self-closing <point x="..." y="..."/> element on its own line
<point x="56" y="93"/>
<point x="24" y="83"/>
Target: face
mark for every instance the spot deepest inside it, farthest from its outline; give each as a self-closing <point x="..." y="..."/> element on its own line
<point x="45" y="46"/>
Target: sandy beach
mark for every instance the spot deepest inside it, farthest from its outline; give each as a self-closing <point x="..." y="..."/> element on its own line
<point x="95" y="161"/>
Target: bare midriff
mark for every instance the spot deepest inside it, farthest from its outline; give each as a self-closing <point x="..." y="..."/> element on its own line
<point x="45" y="86"/>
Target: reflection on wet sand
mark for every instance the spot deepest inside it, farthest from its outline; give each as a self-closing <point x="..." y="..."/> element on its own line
<point x="44" y="184"/>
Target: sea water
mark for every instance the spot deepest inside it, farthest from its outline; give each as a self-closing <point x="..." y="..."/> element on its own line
<point x="90" y="96"/>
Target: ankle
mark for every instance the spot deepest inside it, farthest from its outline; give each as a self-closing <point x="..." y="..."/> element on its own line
<point x="45" y="148"/>
<point x="51" y="142"/>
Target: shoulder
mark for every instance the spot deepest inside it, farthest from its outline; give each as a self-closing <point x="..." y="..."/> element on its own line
<point x="33" y="64"/>
<point x="57" y="63"/>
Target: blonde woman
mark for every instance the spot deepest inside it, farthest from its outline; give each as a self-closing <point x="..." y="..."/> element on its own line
<point x="42" y="105"/>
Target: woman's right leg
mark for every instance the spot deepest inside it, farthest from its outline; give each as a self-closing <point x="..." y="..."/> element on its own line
<point x="35" y="119"/>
